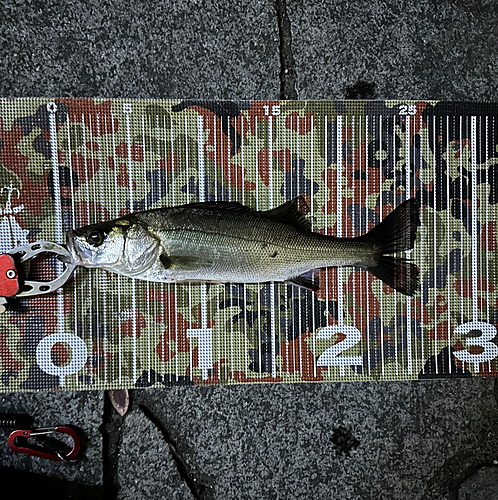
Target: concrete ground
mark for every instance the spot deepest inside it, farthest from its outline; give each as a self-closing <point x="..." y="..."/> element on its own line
<point x="431" y="439"/>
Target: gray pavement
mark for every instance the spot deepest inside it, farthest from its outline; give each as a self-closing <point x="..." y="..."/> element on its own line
<point x="432" y="439"/>
<point x="416" y="49"/>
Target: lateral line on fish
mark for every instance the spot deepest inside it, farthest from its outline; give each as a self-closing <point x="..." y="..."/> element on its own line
<point x="326" y="238"/>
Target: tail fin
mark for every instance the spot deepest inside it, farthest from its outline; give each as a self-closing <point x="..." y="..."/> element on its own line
<point x="396" y="233"/>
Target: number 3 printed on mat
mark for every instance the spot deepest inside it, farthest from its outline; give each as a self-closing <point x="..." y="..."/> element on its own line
<point x="486" y="333"/>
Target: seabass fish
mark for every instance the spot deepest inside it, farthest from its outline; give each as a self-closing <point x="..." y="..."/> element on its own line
<point x="223" y="242"/>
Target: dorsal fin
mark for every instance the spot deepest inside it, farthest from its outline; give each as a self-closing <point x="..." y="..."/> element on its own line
<point x="292" y="213"/>
<point x="228" y="205"/>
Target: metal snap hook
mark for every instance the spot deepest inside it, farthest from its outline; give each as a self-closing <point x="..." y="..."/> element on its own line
<point x="41" y="443"/>
<point x="29" y="251"/>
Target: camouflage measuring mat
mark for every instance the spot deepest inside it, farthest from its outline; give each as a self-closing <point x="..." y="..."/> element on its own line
<point x="66" y="163"/>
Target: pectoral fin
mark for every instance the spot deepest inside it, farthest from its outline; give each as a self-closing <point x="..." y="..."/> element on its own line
<point x="183" y="262"/>
<point x="305" y="282"/>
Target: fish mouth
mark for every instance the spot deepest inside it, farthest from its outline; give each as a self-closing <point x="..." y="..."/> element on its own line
<point x="72" y="257"/>
<point x="66" y="259"/>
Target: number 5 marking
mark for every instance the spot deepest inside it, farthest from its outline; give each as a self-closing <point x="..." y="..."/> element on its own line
<point x="330" y="357"/>
<point x="488" y="333"/>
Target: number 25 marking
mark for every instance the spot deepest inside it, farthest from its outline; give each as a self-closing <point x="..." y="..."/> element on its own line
<point x="405" y="109"/>
<point x="331" y="356"/>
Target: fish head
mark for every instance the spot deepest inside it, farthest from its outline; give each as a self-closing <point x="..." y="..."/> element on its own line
<point x="119" y="246"/>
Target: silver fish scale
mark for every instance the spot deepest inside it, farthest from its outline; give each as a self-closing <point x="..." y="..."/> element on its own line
<point x="228" y="245"/>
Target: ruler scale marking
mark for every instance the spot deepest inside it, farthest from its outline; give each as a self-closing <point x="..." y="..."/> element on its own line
<point x="227" y="196"/>
<point x="380" y="218"/>
<point x="326" y="197"/>
<point x="103" y="277"/>
<point x="89" y="283"/>
<point x="256" y="174"/>
<point x="164" y="194"/>
<point x="188" y="200"/>
<point x="475" y="274"/>
<point x="488" y="281"/>
<point x="73" y="226"/>
<point x="395" y="189"/>
<point x="95" y="316"/>
<point x="273" y="326"/>
<point x="448" y="270"/>
<point x="230" y="191"/>
<point x="434" y="189"/>
<point x="312" y="159"/>
<point x="59" y="233"/>
<point x="118" y="277"/>
<point x="146" y="207"/>
<point x="474" y="217"/>
<point x="366" y="275"/>
<point x="299" y="296"/>
<point x="422" y="264"/>
<point x="244" y="286"/>
<point x="461" y="208"/>
<point x="356" y="219"/>
<point x="484" y="263"/>
<point x="218" y="126"/>
<point x="285" y="286"/>
<point x="340" y="215"/>
<point x="408" y="252"/>
<point x="128" y="110"/>
<point x="159" y="287"/>
<point x="175" y="286"/>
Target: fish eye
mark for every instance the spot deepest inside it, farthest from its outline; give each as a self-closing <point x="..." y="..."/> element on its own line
<point x="95" y="237"/>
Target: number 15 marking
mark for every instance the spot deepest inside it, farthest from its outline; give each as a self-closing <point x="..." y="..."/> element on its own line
<point x="275" y="109"/>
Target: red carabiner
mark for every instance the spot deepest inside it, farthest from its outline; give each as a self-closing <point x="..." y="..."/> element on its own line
<point x="48" y="447"/>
